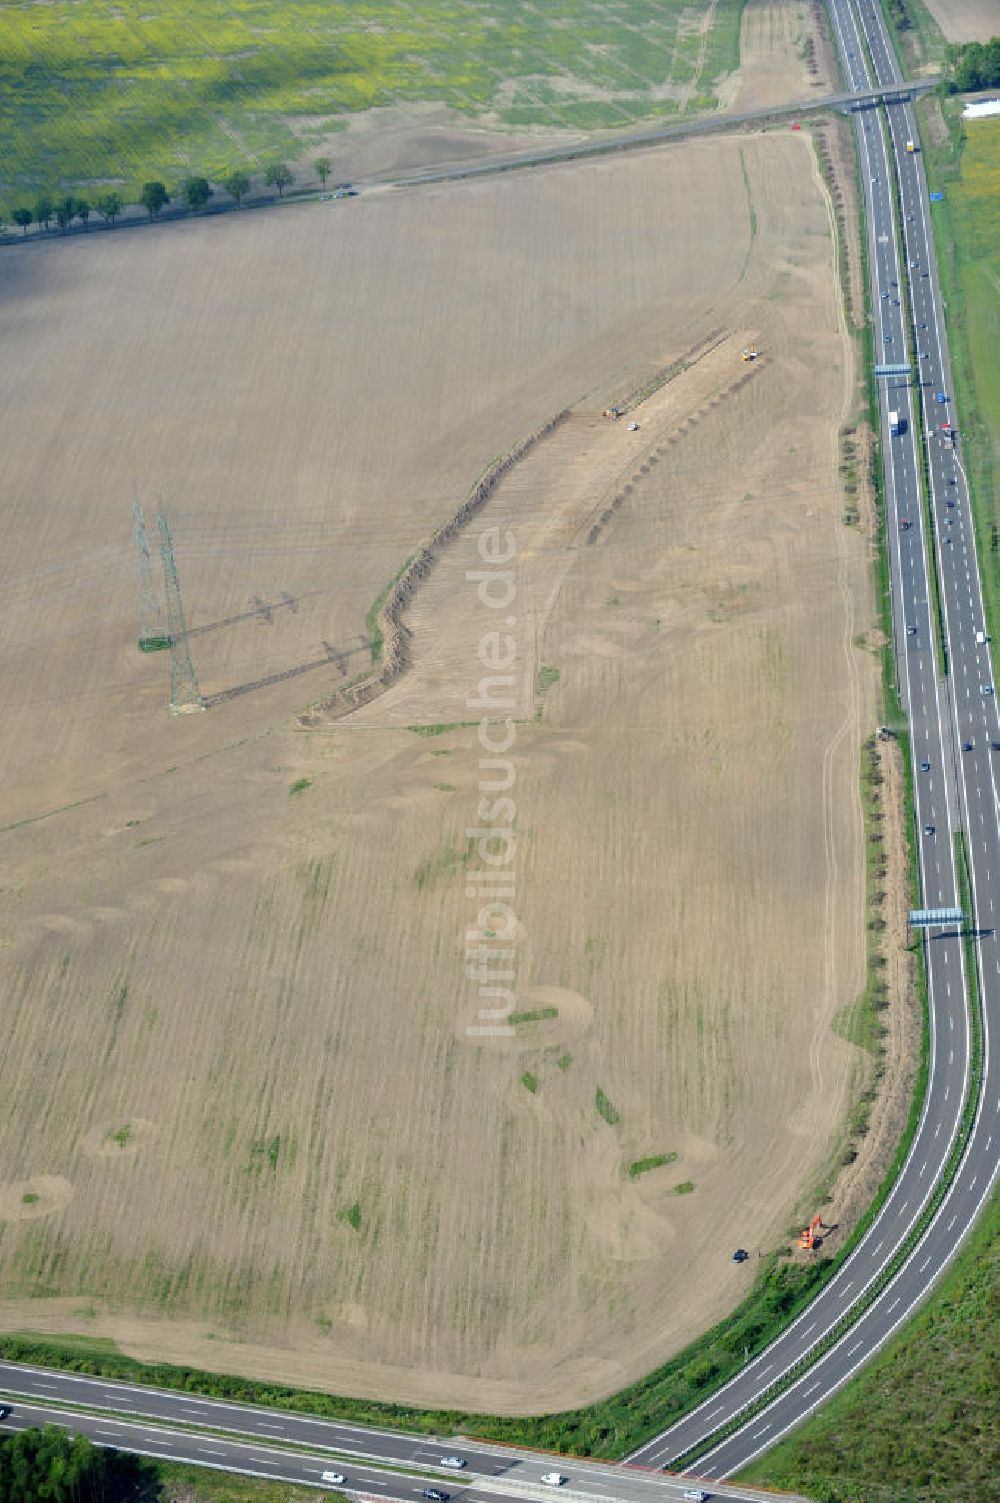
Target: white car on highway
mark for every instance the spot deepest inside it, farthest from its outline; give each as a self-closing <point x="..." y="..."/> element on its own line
<point x="553" y="1479"/>
<point x="336" y="1478"/>
<point x="454" y="1463"/>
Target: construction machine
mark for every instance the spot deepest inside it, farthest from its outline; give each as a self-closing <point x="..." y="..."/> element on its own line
<point x="811" y="1237"/>
<point x="749" y="352"/>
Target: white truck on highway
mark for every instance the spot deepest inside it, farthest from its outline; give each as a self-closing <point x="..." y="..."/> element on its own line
<point x="894" y="424"/>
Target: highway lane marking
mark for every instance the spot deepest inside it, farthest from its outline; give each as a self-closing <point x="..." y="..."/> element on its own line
<point x="875" y="1249"/>
<point x="894" y="1304"/>
<point x="715" y="1412"/>
<point x="848" y="1286"/>
<point x="923" y="1265"/>
<point x="972" y="1181"/>
<point x="938" y="1128"/>
<point x="808" y="1329"/>
<point x="951" y="1223"/>
<point x="208" y="1451"/>
<point x="923" y="1168"/>
<point x="763" y="1431"/>
<point x="812" y="1389"/>
<point x="856" y="1347"/>
<point x="989" y="1142"/>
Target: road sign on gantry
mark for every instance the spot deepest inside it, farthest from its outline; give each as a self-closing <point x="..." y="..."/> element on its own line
<point x="892" y="370"/>
<point x="927" y="918"/>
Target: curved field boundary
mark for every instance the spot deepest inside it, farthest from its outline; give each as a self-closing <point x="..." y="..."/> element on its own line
<point x="390" y="637"/>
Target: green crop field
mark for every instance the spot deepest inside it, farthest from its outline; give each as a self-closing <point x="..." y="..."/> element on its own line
<point x="94" y="92"/>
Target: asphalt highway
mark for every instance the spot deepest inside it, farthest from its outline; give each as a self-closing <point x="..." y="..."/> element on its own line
<point x="955" y="750"/>
<point x="480" y="1481"/>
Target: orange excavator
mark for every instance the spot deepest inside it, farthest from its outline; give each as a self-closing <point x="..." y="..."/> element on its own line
<point x="811" y="1237"/>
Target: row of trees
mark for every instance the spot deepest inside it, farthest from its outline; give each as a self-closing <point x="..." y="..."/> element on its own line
<point x="50" y="1464"/>
<point x="194" y="193"/>
<point x="976" y="65"/>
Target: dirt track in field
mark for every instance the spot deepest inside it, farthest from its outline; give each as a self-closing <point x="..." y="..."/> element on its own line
<point x="237" y="1062"/>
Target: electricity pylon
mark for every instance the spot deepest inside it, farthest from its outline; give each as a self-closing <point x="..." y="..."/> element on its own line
<point x="152" y="632"/>
<point x="185" y="695"/>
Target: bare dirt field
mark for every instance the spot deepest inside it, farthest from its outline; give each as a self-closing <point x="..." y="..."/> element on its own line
<point x="784" y="55"/>
<point x="236" y="1062"/>
<point x="966" y="20"/>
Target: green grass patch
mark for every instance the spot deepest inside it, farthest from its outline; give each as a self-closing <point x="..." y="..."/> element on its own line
<point x="610" y="1114"/>
<point x="351" y="1215"/>
<point x="92" y="1348"/>
<point x="918" y="39"/>
<point x="443" y="862"/>
<point x="29" y="1198"/>
<point x="373" y="625"/>
<point x="655" y="1161"/>
<point x="546" y="677"/>
<point x="265" y="1151"/>
<point x="299" y="786"/>
<point x="440" y="729"/>
<point x="686" y="1187"/>
<point x="530" y="1082"/>
<point x="537" y="1015"/>
<point x="445" y="787"/>
<point x="564" y="1061"/>
<point x="154" y="644"/>
<point x="122" y="1135"/>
